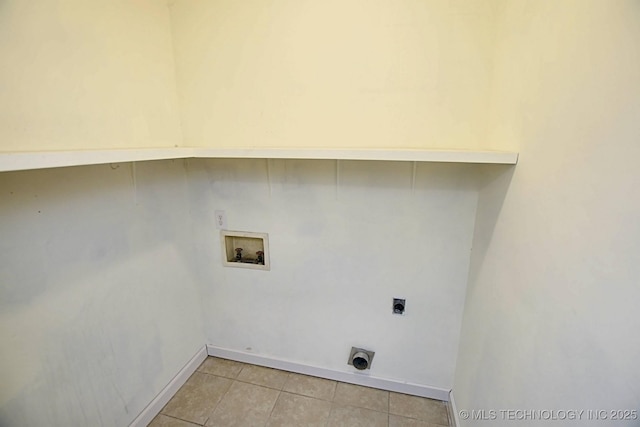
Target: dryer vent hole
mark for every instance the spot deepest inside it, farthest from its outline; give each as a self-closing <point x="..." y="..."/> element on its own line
<point x="360" y="358"/>
<point x="360" y="363"/>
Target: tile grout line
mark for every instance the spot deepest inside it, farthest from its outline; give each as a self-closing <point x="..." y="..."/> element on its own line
<point x="326" y="424"/>
<point x="389" y="393"/>
<point x="237" y="379"/>
<point x="179" y="419"/>
<point x="288" y="380"/>
<point x="279" y="395"/>
<point x="274" y="407"/>
<point x="380" y="383"/>
<point x="330" y="399"/>
<point x="221" y="397"/>
<point x="333" y="395"/>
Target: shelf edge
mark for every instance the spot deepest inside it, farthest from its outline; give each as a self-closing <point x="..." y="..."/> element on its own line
<point x="16" y="161"/>
<point x="453" y="156"/>
<point x="13" y="161"/>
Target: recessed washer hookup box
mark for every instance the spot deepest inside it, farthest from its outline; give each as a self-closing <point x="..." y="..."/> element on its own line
<point x="244" y="249"/>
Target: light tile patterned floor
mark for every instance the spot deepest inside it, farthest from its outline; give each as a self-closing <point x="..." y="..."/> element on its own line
<point x="227" y="393"/>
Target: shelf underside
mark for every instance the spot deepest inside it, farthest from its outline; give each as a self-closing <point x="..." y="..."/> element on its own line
<point x="14" y="161"/>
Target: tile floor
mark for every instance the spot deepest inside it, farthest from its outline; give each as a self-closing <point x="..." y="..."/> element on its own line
<point x="228" y="393"/>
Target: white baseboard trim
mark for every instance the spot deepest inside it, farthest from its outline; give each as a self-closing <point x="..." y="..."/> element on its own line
<point x="156" y="405"/>
<point x="347" y="377"/>
<point x="453" y="411"/>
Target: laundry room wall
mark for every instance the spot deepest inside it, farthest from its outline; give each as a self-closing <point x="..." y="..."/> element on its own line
<point x="99" y="305"/>
<point x="345" y="239"/>
<point x="80" y="75"/>
<point x="336" y="73"/>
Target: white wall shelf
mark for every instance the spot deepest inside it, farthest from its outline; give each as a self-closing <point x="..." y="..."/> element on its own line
<point x="15" y="161"/>
<point x="408" y="155"/>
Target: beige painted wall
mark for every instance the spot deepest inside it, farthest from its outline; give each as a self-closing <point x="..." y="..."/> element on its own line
<point x="397" y="74"/>
<point x="345" y="73"/>
<point x="86" y="74"/>
<point x="551" y="317"/>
